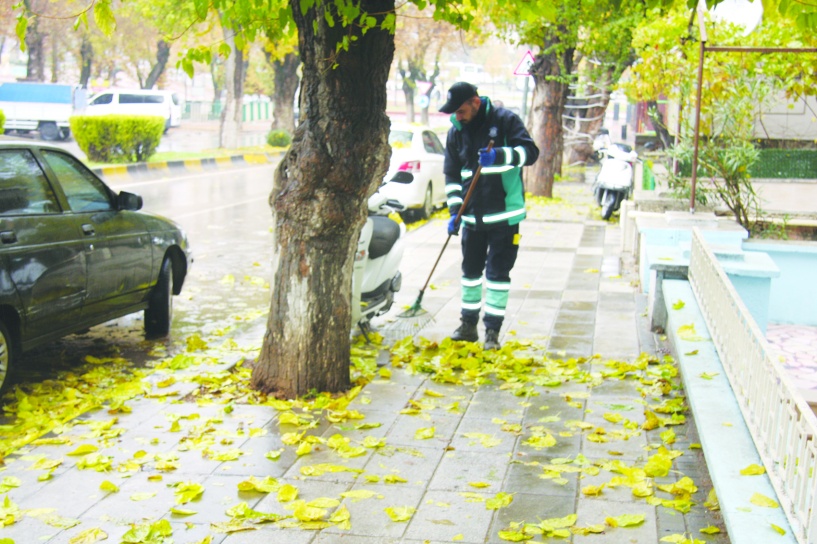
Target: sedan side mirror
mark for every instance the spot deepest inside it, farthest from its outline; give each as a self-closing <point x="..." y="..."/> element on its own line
<point x="129" y="201"/>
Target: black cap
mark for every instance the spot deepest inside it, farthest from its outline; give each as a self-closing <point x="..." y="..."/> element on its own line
<point x="457" y="95"/>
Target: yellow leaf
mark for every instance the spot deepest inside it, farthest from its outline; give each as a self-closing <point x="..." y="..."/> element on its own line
<point x="84" y="449"/>
<point x="625" y="520"/>
<point x="267" y="485"/>
<point x="753" y="470"/>
<point x="274" y="455"/>
<point x="711" y="530"/>
<point x="182" y="511"/>
<point x="394" y="479"/>
<point x="590" y="529"/>
<point x="187" y="491"/>
<point x="400" y="513"/>
<point x="514" y="536"/>
<point x="323" y="502"/>
<point x="424" y="433"/>
<point x="304" y="512"/>
<point x="287" y="493"/>
<point x="779" y="530"/>
<point x="759" y="499"/>
<point x="592" y="490"/>
<point x="136" y="497"/>
<point x="431" y="393"/>
<point x="45" y="463"/>
<point x="501" y="500"/>
<point x="479" y="485"/>
<point x="539" y="442"/>
<point x="342" y="518"/>
<point x="323" y="468"/>
<point x="89" y="536"/>
<point x="358" y="494"/>
<point x="688" y="334"/>
<point x="304" y="448"/>
<point x="678" y="304"/>
<point x="110" y="487"/>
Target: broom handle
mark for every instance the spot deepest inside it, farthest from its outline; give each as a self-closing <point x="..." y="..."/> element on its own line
<point x="459" y="215"/>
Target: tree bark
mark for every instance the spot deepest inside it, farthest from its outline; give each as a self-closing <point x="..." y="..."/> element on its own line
<point x="339" y="154"/>
<point x="35" y="45"/>
<point x="408" y="92"/>
<point x="86" y="53"/>
<point x="657" y="122"/>
<point x="591" y="118"/>
<point x="283" y="95"/>
<point x="550" y="72"/>
<point x="156" y="71"/>
<point x="229" y="133"/>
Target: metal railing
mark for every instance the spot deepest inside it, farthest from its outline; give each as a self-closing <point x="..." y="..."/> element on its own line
<point x="782" y="424"/>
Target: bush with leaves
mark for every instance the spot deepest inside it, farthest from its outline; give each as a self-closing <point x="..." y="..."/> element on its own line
<point x="2" y="121"/>
<point x="118" y="138"/>
<point x="279" y="138"/>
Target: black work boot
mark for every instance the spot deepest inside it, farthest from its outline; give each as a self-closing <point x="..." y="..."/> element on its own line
<point x="466" y="332"/>
<point x="491" y="339"/>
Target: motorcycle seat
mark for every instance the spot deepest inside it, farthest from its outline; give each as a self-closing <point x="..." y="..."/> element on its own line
<point x="385" y="232"/>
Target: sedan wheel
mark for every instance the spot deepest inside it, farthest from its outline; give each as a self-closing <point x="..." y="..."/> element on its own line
<point x="6" y="357"/>
<point x="159" y="312"/>
<point x="428" y="206"/>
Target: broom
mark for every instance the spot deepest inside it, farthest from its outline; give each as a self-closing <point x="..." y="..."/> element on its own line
<point x="416" y="310"/>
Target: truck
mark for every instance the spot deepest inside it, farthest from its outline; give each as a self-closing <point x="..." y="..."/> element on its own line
<point x="44" y="107"/>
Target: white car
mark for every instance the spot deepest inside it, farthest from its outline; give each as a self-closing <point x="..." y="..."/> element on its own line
<point x="415" y="177"/>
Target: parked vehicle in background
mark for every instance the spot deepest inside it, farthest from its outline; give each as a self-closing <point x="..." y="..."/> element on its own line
<point x="376" y="273"/>
<point x="415" y="178"/>
<point x="137" y="102"/>
<point x="42" y="107"/>
<point x="74" y="254"/>
<point x="614" y="182"/>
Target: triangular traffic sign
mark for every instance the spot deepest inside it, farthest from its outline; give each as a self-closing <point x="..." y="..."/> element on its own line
<point x="524" y="66"/>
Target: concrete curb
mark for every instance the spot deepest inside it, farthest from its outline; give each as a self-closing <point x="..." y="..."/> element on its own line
<point x="727" y="443"/>
<point x="187" y="165"/>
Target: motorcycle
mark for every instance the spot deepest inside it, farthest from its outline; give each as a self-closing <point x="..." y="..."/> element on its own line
<point x="614" y="182"/>
<point x="375" y="275"/>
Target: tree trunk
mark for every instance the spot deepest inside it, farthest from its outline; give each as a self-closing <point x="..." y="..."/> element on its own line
<point x="156" y="71"/>
<point x="657" y="122"/>
<point x="229" y="134"/>
<point x="35" y="45"/>
<point x="338" y="156"/>
<point x="550" y="72"/>
<point x="408" y="92"/>
<point x="55" y="59"/>
<point x="591" y="118"/>
<point x="86" y="53"/>
<point x="283" y="96"/>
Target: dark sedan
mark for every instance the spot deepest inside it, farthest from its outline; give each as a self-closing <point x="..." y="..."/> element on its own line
<point x="74" y="254"/>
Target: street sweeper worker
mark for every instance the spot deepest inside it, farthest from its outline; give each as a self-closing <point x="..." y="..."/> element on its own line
<point x="490" y="220"/>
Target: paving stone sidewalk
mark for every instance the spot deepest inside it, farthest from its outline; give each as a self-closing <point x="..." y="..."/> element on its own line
<point x="570" y="299"/>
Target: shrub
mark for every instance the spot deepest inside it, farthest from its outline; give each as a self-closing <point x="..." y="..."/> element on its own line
<point x="116" y="137"/>
<point x="279" y="138"/>
<point x="2" y="121"/>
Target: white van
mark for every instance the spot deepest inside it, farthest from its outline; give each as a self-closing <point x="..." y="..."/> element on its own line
<point x="137" y="102"/>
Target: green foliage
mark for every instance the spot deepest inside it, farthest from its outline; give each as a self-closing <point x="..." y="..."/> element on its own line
<point x="117" y="138"/>
<point x="279" y="138"/>
<point x="2" y="121"/>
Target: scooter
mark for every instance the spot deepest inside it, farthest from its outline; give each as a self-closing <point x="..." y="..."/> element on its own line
<point x="614" y="182"/>
<point x="376" y="272"/>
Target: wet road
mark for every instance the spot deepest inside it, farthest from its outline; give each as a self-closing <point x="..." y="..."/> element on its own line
<point x="229" y="225"/>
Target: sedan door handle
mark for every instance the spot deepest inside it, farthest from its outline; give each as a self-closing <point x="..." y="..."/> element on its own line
<point x="8" y="237"/>
<point x="88" y="230"/>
